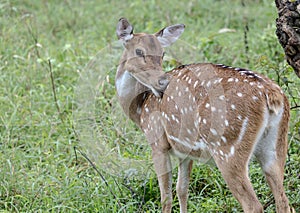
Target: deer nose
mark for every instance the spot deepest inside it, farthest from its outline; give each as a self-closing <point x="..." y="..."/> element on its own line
<point x="163" y="82"/>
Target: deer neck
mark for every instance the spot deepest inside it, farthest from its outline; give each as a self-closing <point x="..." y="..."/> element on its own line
<point x="131" y="94"/>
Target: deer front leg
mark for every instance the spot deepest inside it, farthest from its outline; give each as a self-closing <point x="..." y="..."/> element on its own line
<point x="184" y="171"/>
<point x="163" y="169"/>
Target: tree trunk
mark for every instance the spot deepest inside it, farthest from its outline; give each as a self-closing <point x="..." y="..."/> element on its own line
<point x="288" y="31"/>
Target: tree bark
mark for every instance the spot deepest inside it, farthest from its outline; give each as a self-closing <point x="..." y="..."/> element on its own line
<point x="288" y="31"/>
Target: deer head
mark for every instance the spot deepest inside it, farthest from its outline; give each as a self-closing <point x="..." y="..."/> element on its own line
<point x="143" y="54"/>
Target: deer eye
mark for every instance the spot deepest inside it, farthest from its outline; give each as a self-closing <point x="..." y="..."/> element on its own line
<point x="139" y="52"/>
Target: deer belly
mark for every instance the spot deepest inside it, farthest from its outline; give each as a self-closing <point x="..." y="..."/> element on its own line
<point x="197" y="150"/>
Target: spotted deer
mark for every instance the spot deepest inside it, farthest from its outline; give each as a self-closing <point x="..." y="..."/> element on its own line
<point x="202" y="112"/>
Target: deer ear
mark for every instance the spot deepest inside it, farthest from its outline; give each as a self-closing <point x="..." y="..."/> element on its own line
<point x="124" y="30"/>
<point x="170" y="34"/>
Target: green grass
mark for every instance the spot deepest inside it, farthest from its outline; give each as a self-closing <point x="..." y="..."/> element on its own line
<point x="40" y="171"/>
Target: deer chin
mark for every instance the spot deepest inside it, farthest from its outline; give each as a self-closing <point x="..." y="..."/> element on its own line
<point x="157" y="93"/>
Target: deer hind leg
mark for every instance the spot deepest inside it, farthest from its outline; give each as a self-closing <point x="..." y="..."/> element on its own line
<point x="235" y="174"/>
<point x="184" y="171"/>
<point x="271" y="154"/>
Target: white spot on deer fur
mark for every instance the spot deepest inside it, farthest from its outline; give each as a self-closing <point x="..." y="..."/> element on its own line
<point x="207" y="105"/>
<point x="213" y="109"/>
<point x="142" y="120"/>
<point x="147" y="109"/>
<point x="186" y="89"/>
<point x="254" y="98"/>
<point x="168" y="98"/>
<point x="221" y="152"/>
<point x="236" y="80"/>
<point x="222" y="97"/>
<point x="245" y="80"/>
<point x="194" y="99"/>
<point x="226" y="123"/>
<point x="252" y="83"/>
<point x="260" y="86"/>
<point x="232" y="150"/>
<point x="202" y="83"/>
<point x="176" y="88"/>
<point x="178" y="79"/>
<point x="176" y="107"/>
<point x="239" y="94"/>
<point x="179" y="93"/>
<point x="213" y="131"/>
<point x="190" y="81"/>
<point x="173" y="117"/>
<point x="195" y="84"/>
<point x="208" y="84"/>
<point x="172" y="97"/>
<point x="191" y="108"/>
<point x="189" y="131"/>
<point x="204" y="120"/>
<point x="230" y="79"/>
<point x="185" y="110"/>
<point x="223" y="138"/>
<point x="243" y="130"/>
<point x="187" y="139"/>
<point x="199" y="119"/>
<point x="239" y="117"/>
<point x="233" y="106"/>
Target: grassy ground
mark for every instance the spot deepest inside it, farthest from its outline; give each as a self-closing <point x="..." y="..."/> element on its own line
<point x="57" y="65"/>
